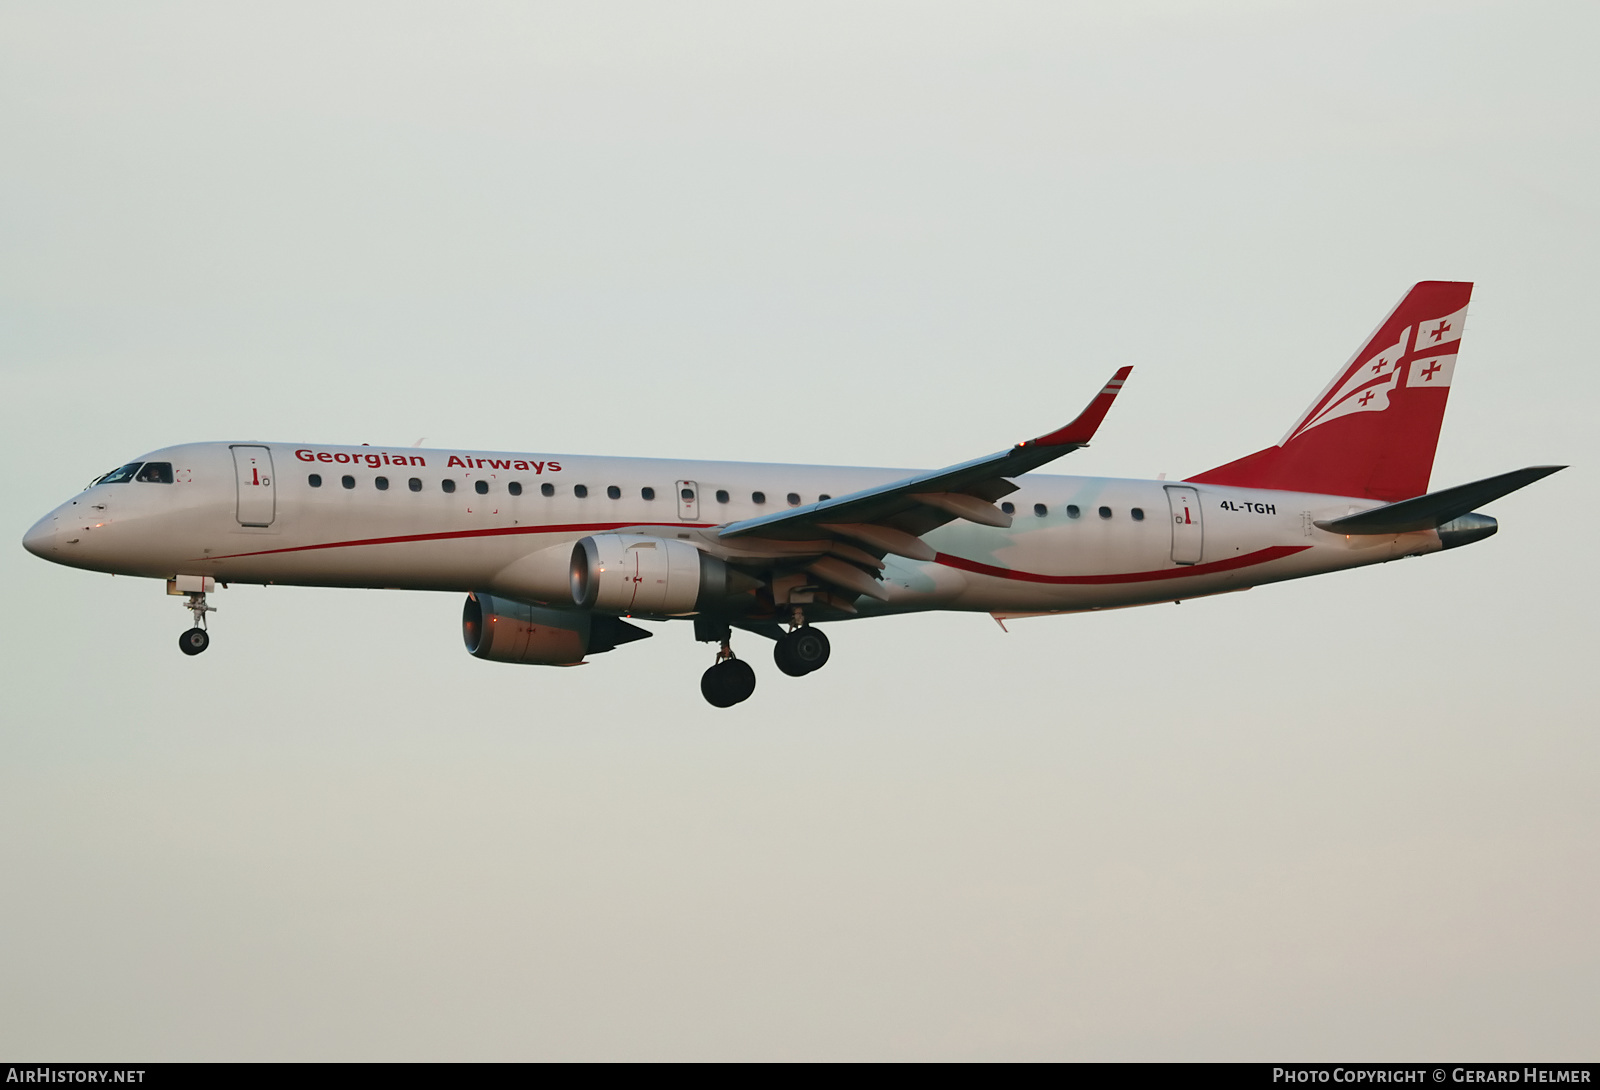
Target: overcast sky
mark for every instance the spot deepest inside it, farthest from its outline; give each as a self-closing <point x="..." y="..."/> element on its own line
<point x="1350" y="817"/>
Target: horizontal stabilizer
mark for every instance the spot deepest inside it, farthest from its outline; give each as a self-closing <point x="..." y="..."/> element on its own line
<point x="1433" y="510"/>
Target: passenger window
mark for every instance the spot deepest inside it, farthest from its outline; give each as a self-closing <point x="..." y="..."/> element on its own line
<point x="758" y="497"/>
<point x="1072" y="511"/>
<point x="481" y="487"/>
<point x="1009" y="508"/>
<point x="1105" y="512"/>
<point x="1138" y="514"/>
<point x="315" y="480"/>
<point x="415" y="484"/>
<point x="120" y="476"/>
<point x="382" y="483"/>
<point x="687" y="494"/>
<point x="647" y="492"/>
<point x="580" y="490"/>
<point x="156" y="473"/>
<point x="613" y="491"/>
<point x="1041" y="510"/>
<point x="793" y="498"/>
<point x="722" y="495"/>
<point x="515" y="488"/>
<point x="547" y="490"/>
<point x="348" y="481"/>
<point x="823" y="497"/>
<point x="448" y="485"/>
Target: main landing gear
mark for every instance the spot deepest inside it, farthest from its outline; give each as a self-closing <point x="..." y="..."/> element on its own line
<point x="801" y="651"/>
<point x="196" y="639"/>
<point x="729" y="680"/>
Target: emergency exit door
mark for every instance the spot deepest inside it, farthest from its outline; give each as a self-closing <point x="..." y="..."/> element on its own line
<point x="258" y="503"/>
<point x="1188" y="535"/>
<point x="688" y="501"/>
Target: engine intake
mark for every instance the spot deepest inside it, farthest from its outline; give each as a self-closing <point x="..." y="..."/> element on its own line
<point x="635" y="573"/>
<point x="503" y="630"/>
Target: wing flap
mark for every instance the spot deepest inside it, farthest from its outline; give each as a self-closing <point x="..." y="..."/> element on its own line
<point x="885" y="539"/>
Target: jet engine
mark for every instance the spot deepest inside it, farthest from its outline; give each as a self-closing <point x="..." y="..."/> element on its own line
<point x="503" y="630"/>
<point x="634" y="573"/>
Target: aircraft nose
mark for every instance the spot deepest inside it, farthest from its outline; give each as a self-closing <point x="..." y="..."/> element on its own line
<point x="40" y="540"/>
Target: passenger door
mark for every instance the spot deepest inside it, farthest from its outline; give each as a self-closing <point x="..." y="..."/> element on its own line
<point x="258" y="504"/>
<point x="1188" y="535"/>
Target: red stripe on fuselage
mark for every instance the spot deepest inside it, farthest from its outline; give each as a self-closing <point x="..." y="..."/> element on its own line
<point x="451" y="535"/>
<point x="1260" y="556"/>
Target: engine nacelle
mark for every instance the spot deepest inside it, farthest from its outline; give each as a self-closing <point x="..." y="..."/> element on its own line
<point x="503" y="630"/>
<point x="635" y="573"/>
<point x="543" y="576"/>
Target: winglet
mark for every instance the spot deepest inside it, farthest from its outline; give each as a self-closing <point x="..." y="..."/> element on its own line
<point x="1080" y="431"/>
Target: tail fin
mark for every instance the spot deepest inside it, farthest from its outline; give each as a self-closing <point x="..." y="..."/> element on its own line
<point x="1373" y="431"/>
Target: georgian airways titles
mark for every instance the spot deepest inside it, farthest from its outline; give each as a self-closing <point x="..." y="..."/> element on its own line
<point x="378" y="459"/>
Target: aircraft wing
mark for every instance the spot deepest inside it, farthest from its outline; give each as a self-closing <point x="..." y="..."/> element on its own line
<point x="891" y="518"/>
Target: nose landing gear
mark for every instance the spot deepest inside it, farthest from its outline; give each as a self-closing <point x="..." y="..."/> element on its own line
<point x="196" y="639"/>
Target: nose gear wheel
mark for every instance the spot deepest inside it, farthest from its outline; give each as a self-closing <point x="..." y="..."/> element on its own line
<point x="196" y="639"/>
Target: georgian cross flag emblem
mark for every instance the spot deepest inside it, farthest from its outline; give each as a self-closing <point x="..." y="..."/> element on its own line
<point x="1439" y="332"/>
<point x="1430" y="372"/>
<point x="1363" y="388"/>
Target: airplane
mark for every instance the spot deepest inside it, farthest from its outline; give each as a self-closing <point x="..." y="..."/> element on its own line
<point x="558" y="554"/>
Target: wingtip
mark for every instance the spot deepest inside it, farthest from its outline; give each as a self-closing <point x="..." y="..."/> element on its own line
<point x="1082" y="429"/>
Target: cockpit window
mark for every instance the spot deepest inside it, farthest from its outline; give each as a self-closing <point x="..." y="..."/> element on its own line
<point x="156" y="473"/>
<point x="121" y="476"/>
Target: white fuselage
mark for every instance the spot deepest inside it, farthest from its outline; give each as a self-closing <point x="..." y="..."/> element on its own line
<point x="213" y="519"/>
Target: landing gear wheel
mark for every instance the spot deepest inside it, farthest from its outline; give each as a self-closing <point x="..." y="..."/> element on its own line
<point x="727" y="683"/>
<point x="195" y="640"/>
<point x="801" y="651"/>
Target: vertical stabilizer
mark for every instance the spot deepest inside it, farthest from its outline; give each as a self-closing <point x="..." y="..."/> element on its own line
<point x="1373" y="431"/>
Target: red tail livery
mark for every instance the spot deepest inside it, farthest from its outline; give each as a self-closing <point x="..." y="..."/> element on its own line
<point x="1373" y="431"/>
